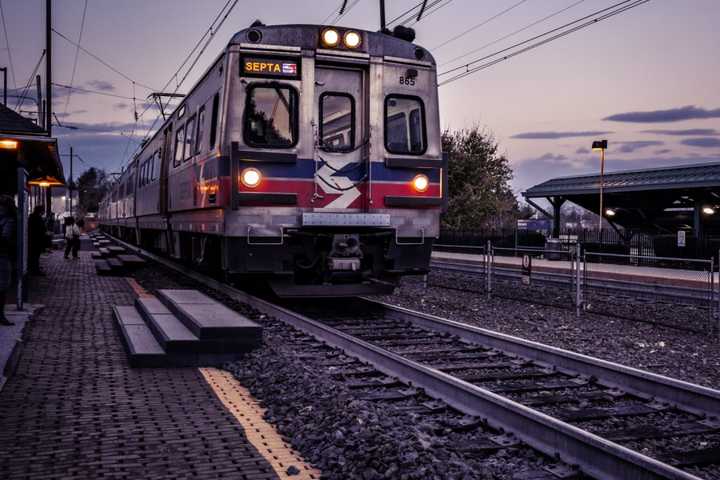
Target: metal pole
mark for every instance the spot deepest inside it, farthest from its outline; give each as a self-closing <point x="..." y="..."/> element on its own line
<point x="602" y="173"/>
<point x="488" y="267"/>
<point x="382" y="15"/>
<point x="578" y="289"/>
<point x="40" y="103"/>
<point x="4" y="70"/>
<point x="48" y="66"/>
<point x="70" y="183"/>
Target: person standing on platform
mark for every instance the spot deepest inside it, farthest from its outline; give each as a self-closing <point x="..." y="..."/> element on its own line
<point x="8" y="227"/>
<point x="72" y="237"/>
<point x="37" y="239"/>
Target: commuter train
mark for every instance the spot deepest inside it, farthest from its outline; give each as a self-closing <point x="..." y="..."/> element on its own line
<point x="308" y="156"/>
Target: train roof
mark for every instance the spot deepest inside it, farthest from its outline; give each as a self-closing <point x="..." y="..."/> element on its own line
<point x="307" y="37"/>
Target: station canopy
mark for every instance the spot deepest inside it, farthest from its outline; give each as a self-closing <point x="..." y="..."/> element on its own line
<point x="23" y="143"/>
<point x="656" y="200"/>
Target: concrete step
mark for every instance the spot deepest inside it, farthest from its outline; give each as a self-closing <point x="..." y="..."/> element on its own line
<point x="208" y="319"/>
<point x="116" y="265"/>
<point x="170" y="332"/>
<point x="114" y="249"/>
<point x="141" y="346"/>
<point x="102" y="267"/>
<point x="104" y="251"/>
<point x="131" y="261"/>
<point x="96" y="255"/>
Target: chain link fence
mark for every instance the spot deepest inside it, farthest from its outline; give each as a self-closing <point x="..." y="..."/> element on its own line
<point x="678" y="292"/>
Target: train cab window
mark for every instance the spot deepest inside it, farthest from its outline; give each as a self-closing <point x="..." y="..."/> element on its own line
<point x="200" y="130"/>
<point x="271" y="116"/>
<point x="190" y="138"/>
<point x="405" y="125"/>
<point x="179" y="144"/>
<point x="337" y="125"/>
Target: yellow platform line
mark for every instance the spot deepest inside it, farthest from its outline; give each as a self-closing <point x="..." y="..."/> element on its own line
<point x="137" y="288"/>
<point x="261" y="434"/>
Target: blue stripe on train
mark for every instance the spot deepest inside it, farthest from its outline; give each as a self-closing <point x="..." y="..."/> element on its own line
<point x="305" y="168"/>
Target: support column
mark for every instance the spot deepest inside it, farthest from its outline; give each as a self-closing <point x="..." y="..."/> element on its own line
<point x="698" y="226"/>
<point x="557" y="203"/>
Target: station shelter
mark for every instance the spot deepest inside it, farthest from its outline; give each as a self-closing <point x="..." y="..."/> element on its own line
<point x="679" y="205"/>
<point x="30" y="167"/>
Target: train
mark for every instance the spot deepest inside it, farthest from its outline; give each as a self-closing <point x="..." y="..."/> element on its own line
<point x="307" y="157"/>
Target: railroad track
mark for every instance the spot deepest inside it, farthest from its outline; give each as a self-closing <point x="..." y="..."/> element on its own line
<point x="610" y="420"/>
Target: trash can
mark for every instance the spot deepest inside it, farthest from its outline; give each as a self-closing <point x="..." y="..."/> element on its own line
<point x="553" y="246"/>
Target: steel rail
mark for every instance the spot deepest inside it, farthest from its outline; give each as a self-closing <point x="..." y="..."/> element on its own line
<point x="597" y="456"/>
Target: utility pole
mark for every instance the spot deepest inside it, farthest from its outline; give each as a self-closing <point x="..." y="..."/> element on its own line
<point x="41" y="111"/>
<point x="4" y="70"/>
<point x="382" y="15"/>
<point x="48" y="67"/>
<point x="70" y="183"/>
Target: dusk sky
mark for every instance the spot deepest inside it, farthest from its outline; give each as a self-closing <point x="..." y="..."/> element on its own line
<point x="647" y="80"/>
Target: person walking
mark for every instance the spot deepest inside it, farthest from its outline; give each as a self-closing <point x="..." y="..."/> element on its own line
<point x="8" y="223"/>
<point x="37" y="240"/>
<point x="72" y="238"/>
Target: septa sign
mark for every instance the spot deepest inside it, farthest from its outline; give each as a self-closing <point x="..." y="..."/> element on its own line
<point x="269" y="67"/>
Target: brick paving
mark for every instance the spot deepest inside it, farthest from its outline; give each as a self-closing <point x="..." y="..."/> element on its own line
<point x="74" y="409"/>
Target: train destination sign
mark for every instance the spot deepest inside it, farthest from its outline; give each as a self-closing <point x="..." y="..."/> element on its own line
<point x="269" y="67"/>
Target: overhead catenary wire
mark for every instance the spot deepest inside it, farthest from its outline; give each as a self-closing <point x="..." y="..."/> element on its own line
<point x="77" y="55"/>
<point x="481" y="24"/>
<point x="623" y="7"/>
<point x="70" y="88"/>
<point x="520" y="30"/>
<point x="7" y="45"/>
<point x="216" y="24"/>
<point x="21" y="100"/>
<point x="411" y="13"/>
<point x="103" y="62"/>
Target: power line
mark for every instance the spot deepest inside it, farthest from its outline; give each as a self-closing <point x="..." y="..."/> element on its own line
<point x="70" y="88"/>
<point x="211" y="31"/>
<point x="431" y="8"/>
<point x="20" y="102"/>
<point x="410" y="13"/>
<point x="622" y="8"/>
<point x="7" y="43"/>
<point x="526" y="27"/>
<point x="106" y="64"/>
<point x="77" y="55"/>
<point x="481" y="24"/>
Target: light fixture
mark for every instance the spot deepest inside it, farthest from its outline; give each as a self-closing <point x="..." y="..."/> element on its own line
<point x="8" y="144"/>
<point x="420" y="182"/>
<point x="610" y="212"/>
<point x="330" y="37"/>
<point x="708" y="210"/>
<point x="352" y="39"/>
<point x="250" y="177"/>
<point x="599" y="145"/>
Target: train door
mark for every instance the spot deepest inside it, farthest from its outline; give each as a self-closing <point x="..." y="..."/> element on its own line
<point x="342" y="164"/>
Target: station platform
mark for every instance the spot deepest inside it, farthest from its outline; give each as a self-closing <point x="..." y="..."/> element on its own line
<point x="627" y="273"/>
<point x="73" y="408"/>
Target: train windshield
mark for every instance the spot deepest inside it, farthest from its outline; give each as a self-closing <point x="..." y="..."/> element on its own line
<point x="337" y="129"/>
<point x="404" y="125"/>
<point x="271" y="116"/>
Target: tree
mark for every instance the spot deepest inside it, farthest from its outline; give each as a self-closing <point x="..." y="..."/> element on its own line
<point x="92" y="186"/>
<point x="479" y="182"/>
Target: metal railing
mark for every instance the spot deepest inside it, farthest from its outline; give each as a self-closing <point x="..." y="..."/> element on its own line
<point x="678" y="292"/>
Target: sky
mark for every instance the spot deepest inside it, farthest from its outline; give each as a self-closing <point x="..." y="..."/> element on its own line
<point x="647" y="80"/>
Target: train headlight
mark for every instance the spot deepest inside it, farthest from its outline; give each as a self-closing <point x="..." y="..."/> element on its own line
<point x="420" y="183"/>
<point x="352" y="39"/>
<point x="330" y="37"/>
<point x="251" y="177"/>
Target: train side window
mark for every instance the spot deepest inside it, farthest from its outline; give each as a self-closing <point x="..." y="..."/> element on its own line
<point x="271" y="116"/>
<point x="405" y="131"/>
<point x="337" y="121"/>
<point x="200" y="130"/>
<point x="179" y="144"/>
<point x="158" y="163"/>
<point x="190" y="138"/>
<point x="214" y="120"/>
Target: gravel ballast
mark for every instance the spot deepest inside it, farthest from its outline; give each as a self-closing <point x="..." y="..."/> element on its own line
<point x="689" y="356"/>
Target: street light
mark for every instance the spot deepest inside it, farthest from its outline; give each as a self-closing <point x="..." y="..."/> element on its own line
<point x="601" y="146"/>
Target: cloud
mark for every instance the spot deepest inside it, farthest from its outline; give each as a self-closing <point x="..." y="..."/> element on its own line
<point x="705" y="132"/>
<point x="582" y="151"/>
<point x="702" y="142"/>
<point x="688" y="112"/>
<point x="102" y="85"/>
<point x="556" y="135"/>
<point x="120" y="106"/>
<point x="662" y="151"/>
<point x="630" y="147"/>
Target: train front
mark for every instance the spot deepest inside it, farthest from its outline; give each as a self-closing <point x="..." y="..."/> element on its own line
<point x="336" y="157"/>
